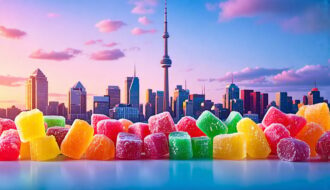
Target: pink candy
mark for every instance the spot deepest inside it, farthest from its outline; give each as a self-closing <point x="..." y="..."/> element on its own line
<point x="188" y="124"/>
<point x="139" y="129"/>
<point x="59" y="133"/>
<point x="9" y="145"/>
<point x="129" y="146"/>
<point x="293" y="150"/>
<point x="274" y="133"/>
<point x="95" y="119"/>
<point x="162" y="123"/>
<point x="6" y="124"/>
<point x="110" y="128"/>
<point x="323" y="146"/>
<point x="275" y="115"/>
<point x="156" y="145"/>
<point x="296" y="123"/>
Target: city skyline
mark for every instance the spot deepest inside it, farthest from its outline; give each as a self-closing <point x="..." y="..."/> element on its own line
<point x="298" y="58"/>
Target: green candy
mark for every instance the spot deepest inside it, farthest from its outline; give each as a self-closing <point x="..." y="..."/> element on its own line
<point x="202" y="147"/>
<point x="211" y="125"/>
<point x="54" y="121"/>
<point x="232" y="120"/>
<point x="180" y="146"/>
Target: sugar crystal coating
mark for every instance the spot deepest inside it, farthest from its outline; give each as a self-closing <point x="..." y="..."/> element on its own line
<point x="180" y="146"/>
<point x="9" y="145"/>
<point x="101" y="148"/>
<point x="293" y="150"/>
<point x="59" y="133"/>
<point x="6" y="124"/>
<point x="156" y="145"/>
<point x="162" y="123"/>
<point x="296" y="124"/>
<point x="202" y="147"/>
<point x="126" y="123"/>
<point x="318" y="113"/>
<point x="54" y="121"/>
<point x="275" y="115"/>
<point x="274" y="133"/>
<point x="140" y="129"/>
<point x="128" y="147"/>
<point x="110" y="128"/>
<point x="188" y="124"/>
<point x="44" y="148"/>
<point x="323" y="146"/>
<point x="229" y="146"/>
<point x="97" y="118"/>
<point x="211" y="125"/>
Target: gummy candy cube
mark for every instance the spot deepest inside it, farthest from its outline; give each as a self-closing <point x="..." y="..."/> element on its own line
<point x="323" y="146"/>
<point x="110" y="128"/>
<point x="201" y="147"/>
<point x="30" y="125"/>
<point x="9" y="145"/>
<point x="77" y="140"/>
<point x="44" y="148"/>
<point x="101" y="148"/>
<point x="262" y="127"/>
<point x="59" y="133"/>
<point x="232" y="120"/>
<point x="256" y="142"/>
<point x="301" y="111"/>
<point x="11" y="134"/>
<point x="292" y="150"/>
<point x="296" y="124"/>
<point x="274" y="133"/>
<point x="311" y="134"/>
<point x="229" y="146"/>
<point x="318" y="113"/>
<point x="162" y="123"/>
<point x="6" y="124"/>
<point x="156" y="145"/>
<point x="128" y="147"/>
<point x="95" y="119"/>
<point x="54" y="121"/>
<point x="126" y="123"/>
<point x="275" y="115"/>
<point x="24" y="153"/>
<point x="188" y="124"/>
<point x="180" y="146"/>
<point x="140" y="129"/>
<point x="211" y="125"/>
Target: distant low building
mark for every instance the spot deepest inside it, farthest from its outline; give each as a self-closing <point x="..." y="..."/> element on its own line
<point x="52" y="108"/>
<point x="125" y="111"/>
<point x="3" y="113"/>
<point x="12" y="112"/>
<point x="254" y="117"/>
<point x="101" y="105"/>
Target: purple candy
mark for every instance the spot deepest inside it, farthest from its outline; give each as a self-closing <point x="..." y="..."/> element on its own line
<point x="156" y="145"/>
<point x="293" y="150"/>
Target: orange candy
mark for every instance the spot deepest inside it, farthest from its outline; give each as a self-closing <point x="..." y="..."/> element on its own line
<point x="24" y="153"/>
<point x="311" y="134"/>
<point x="77" y="139"/>
<point x="101" y="148"/>
<point x="126" y="123"/>
<point x="317" y="113"/>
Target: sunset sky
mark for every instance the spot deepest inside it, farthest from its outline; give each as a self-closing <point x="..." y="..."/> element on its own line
<point x="269" y="45"/>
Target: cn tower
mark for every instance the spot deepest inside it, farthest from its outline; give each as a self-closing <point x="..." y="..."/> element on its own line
<point x="166" y="62"/>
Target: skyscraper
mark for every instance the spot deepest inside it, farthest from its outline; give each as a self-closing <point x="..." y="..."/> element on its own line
<point x="101" y="105"/>
<point x="114" y="94"/>
<point x="255" y="103"/>
<point x="77" y="102"/>
<point x="150" y="104"/>
<point x="232" y="92"/>
<point x="159" y="102"/>
<point x="246" y="97"/>
<point x="166" y="62"/>
<point x="282" y="101"/>
<point x="180" y="95"/>
<point x="314" y="96"/>
<point x="62" y="110"/>
<point x="52" y="108"/>
<point x="132" y="90"/>
<point x="37" y="91"/>
<point x="264" y="103"/>
<point x="197" y="100"/>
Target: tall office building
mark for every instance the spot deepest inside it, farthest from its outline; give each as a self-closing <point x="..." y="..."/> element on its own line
<point x="132" y="90"/>
<point x="188" y="108"/>
<point x="255" y="103"/>
<point x="37" y="91"/>
<point x="114" y="94"/>
<point x="314" y="96"/>
<point x="282" y="101"/>
<point x="77" y="102"/>
<point x="197" y="100"/>
<point x="159" y="102"/>
<point x="101" y="105"/>
<point x="150" y="105"/>
<point x="246" y="97"/>
<point x="125" y="111"/>
<point x="236" y="105"/>
<point x="305" y="100"/>
<point x="62" y="110"/>
<point x="232" y="92"/>
<point x="180" y="95"/>
<point x="264" y="103"/>
<point x="289" y="104"/>
<point x="52" y="108"/>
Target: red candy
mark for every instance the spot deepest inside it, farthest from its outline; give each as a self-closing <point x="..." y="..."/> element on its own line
<point x="188" y="124"/>
<point x="274" y="133"/>
<point x="162" y="123"/>
<point x="129" y="146"/>
<point x="139" y="129"/>
<point x="261" y="126"/>
<point x="6" y="124"/>
<point x="156" y="145"/>
<point x="323" y="146"/>
<point x="293" y="150"/>
<point x="296" y="123"/>
<point x="275" y="115"/>
<point x="9" y="145"/>
<point x="95" y="119"/>
<point x="110" y="128"/>
<point x="59" y="133"/>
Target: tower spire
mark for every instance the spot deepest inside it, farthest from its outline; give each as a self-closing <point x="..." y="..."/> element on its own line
<point x="134" y="71"/>
<point x="232" y="78"/>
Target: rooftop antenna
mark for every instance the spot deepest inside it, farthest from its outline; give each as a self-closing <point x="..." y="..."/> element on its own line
<point x="315" y="83"/>
<point x="232" y="78"/>
<point x="185" y="84"/>
<point x="134" y="71"/>
<point x="204" y="89"/>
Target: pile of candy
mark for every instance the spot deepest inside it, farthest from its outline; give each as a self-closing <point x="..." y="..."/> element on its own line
<point x="290" y="137"/>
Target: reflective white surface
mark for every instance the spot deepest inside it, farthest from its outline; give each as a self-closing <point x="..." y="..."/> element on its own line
<point x="164" y="174"/>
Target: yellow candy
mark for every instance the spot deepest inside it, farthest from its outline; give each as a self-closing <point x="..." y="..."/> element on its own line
<point x="30" y="125"/>
<point x="229" y="146"/>
<point x="44" y="148"/>
<point x="301" y="111"/>
<point x="24" y="153"/>
<point x="77" y="140"/>
<point x="318" y="113"/>
<point x="256" y="142"/>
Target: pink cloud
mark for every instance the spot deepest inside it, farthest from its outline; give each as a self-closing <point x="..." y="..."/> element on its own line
<point x="144" y="6"/>
<point x="92" y="42"/>
<point x="139" y="31"/>
<point x="66" y="54"/>
<point x="107" y="26"/>
<point x="11" y="81"/>
<point x="110" y="44"/>
<point x="53" y="15"/>
<point x="107" y="55"/>
<point x="11" y="33"/>
<point x="144" y="20"/>
<point x="134" y="48"/>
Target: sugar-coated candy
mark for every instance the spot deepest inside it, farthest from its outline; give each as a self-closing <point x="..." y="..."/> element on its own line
<point x="323" y="146"/>
<point x="128" y="147"/>
<point x="110" y="128"/>
<point x="229" y="146"/>
<point x="296" y="123"/>
<point x="6" y="124"/>
<point x="156" y="145"/>
<point x="97" y="118"/>
<point x="275" y="115"/>
<point x="24" y="153"/>
<point x="201" y="147"/>
<point x="311" y="134"/>
<point x="59" y="133"/>
<point x="180" y="146"/>
<point x="44" y="148"/>
<point x="318" y="113"/>
<point x="126" y="123"/>
<point x="211" y="125"/>
<point x="30" y="125"/>
<point x="101" y="148"/>
<point x="256" y="142"/>
<point x="9" y="145"/>
<point x="11" y="134"/>
<point x="301" y="111"/>
<point x="274" y="133"/>
<point x="232" y="120"/>
<point x="262" y="127"/>
<point x="54" y="121"/>
<point x="162" y="123"/>
<point x="140" y="129"/>
<point x="77" y="140"/>
<point x="188" y="124"/>
<point x="292" y="150"/>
